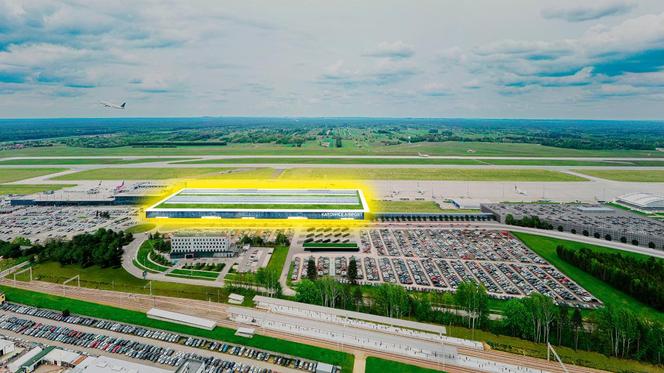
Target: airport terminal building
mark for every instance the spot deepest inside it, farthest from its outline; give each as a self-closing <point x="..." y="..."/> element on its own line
<point x="209" y="203"/>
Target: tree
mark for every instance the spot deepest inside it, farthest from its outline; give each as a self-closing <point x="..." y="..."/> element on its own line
<point x="307" y="292"/>
<point x="358" y="298"/>
<point x="352" y="271"/>
<point x="312" y="271"/>
<point x="391" y="300"/>
<point x="269" y="279"/>
<point x="515" y="319"/>
<point x="577" y="324"/>
<point x="473" y="300"/>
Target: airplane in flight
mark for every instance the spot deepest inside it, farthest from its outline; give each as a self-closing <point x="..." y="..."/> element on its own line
<point x="112" y="105"/>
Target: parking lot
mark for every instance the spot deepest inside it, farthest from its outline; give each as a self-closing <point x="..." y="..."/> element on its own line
<point x="40" y="223"/>
<point x="132" y="341"/>
<point x="440" y="259"/>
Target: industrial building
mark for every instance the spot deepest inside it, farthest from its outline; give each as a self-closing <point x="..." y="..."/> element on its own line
<point x="197" y="203"/>
<point x="598" y="221"/>
<point x="190" y="246"/>
<point x="645" y="202"/>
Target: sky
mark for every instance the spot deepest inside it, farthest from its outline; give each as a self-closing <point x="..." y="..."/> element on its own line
<point x="590" y="59"/>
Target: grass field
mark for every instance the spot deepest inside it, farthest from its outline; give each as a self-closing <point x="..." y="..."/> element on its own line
<point x="168" y="173"/>
<point x="81" y="161"/>
<point x="546" y="248"/>
<point x="138" y="318"/>
<point x="140" y="228"/>
<point x="195" y="273"/>
<point x="8" y="175"/>
<point x="426" y="174"/>
<point x="378" y="365"/>
<point x="30" y="188"/>
<point x="276" y="264"/>
<point x="10" y="262"/>
<point x="118" y="279"/>
<point x="641" y="176"/>
<point x="424" y="161"/>
<point x="192" y="274"/>
<point x="450" y="148"/>
<point x="142" y="258"/>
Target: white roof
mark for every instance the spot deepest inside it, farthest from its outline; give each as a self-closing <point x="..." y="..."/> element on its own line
<point x="16" y="364"/>
<point x="181" y="318"/>
<point x="4" y="342"/>
<point x="643" y="199"/>
<point x="59" y="355"/>
<point x="431" y="328"/>
<point x="105" y="364"/>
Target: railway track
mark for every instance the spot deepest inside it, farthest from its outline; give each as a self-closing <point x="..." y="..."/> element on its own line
<point x="218" y="312"/>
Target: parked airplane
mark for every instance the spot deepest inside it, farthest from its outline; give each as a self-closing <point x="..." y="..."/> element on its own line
<point x="112" y="105"/>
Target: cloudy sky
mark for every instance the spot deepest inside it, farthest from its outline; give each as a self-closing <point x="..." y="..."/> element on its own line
<point x="599" y="59"/>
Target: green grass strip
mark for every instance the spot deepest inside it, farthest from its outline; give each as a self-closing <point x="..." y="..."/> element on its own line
<point x="378" y="365"/>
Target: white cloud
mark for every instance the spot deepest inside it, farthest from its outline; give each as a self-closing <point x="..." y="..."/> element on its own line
<point x="393" y="50"/>
<point x="587" y="12"/>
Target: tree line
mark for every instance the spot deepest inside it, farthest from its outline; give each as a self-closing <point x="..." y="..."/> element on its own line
<point x="536" y="317"/>
<point x="528" y="221"/>
<point x="642" y="279"/>
<point x="102" y="248"/>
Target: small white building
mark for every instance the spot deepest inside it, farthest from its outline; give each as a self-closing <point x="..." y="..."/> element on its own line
<point x="201" y="246"/>
<point x="6" y="347"/>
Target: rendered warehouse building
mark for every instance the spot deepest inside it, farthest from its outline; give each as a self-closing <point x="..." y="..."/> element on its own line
<point x="198" y="203"/>
<point x="201" y="246"/>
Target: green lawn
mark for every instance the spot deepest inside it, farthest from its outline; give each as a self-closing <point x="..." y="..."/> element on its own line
<point x="450" y="148"/>
<point x="378" y="365"/>
<point x="80" y="161"/>
<point x="10" y="262"/>
<point x="138" y="318"/>
<point x="8" y="175"/>
<point x="192" y="277"/>
<point x="423" y="160"/>
<point x="426" y="174"/>
<point x="142" y="258"/>
<point x="167" y="173"/>
<point x="195" y="273"/>
<point x="140" y="228"/>
<point x="278" y="258"/>
<point x="546" y="248"/>
<point x="276" y="264"/>
<point x="642" y="176"/>
<point x="118" y="279"/>
<point x="31" y="188"/>
<point x="274" y="160"/>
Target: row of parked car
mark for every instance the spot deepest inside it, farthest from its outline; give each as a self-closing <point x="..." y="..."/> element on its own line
<point x="161" y="335"/>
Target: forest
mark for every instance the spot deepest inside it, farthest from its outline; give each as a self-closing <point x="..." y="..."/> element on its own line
<point x="642" y="279"/>
<point x="114" y="132"/>
<point x="102" y="248"/>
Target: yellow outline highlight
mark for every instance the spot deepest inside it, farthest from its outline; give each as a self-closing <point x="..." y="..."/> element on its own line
<point x="171" y="224"/>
